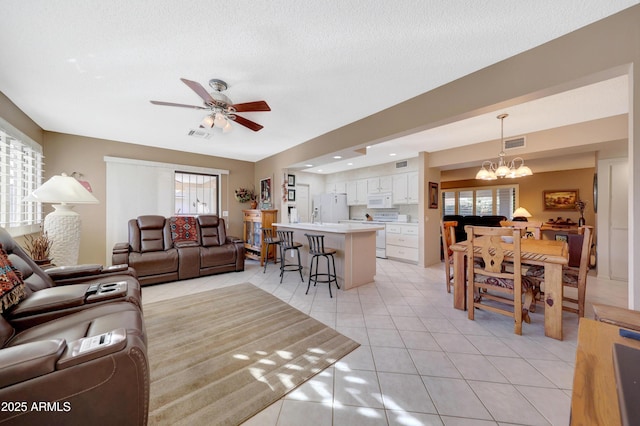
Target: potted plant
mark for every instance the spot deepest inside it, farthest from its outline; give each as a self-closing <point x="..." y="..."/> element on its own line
<point x="245" y="195"/>
<point x="39" y="248"/>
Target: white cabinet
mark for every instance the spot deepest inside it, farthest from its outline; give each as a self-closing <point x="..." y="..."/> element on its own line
<point x="336" y="187"/>
<point x="402" y="242"/>
<point x="379" y="184"/>
<point x="405" y="188"/>
<point x="357" y="192"/>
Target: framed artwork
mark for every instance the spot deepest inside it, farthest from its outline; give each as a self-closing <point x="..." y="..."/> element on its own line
<point x="560" y="200"/>
<point x="562" y="237"/>
<point x="265" y="191"/>
<point x="291" y="196"/>
<point x="433" y="195"/>
<point x="291" y="180"/>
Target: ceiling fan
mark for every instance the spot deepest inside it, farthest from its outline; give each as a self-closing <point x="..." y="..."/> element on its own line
<point x="221" y="110"/>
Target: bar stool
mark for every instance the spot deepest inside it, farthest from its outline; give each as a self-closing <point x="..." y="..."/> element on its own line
<point x="287" y="244"/>
<point x="270" y="238"/>
<point x="316" y="250"/>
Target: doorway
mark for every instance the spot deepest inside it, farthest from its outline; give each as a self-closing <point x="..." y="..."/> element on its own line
<point x="303" y="202"/>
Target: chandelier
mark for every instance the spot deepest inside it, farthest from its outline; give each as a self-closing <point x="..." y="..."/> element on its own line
<point x="504" y="169"/>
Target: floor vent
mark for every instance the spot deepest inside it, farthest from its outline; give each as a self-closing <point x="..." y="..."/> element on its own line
<point x="515" y="143"/>
<point x="199" y="133"/>
<point x="401" y="164"/>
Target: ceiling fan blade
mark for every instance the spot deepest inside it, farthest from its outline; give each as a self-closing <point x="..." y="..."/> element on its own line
<point x="252" y="106"/>
<point x="176" y="105"/>
<point x="247" y="123"/>
<point x="201" y="91"/>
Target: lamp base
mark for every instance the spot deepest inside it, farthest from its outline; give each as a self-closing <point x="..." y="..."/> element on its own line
<point x="63" y="229"/>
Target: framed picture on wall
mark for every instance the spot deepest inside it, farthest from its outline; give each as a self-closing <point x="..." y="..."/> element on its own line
<point x="291" y="180"/>
<point x="565" y="199"/>
<point x="265" y="191"/>
<point x="433" y="195"/>
<point x="291" y="195"/>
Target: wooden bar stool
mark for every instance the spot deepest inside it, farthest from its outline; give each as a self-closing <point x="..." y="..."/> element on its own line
<point x="270" y="237"/>
<point x="316" y="250"/>
<point x="287" y="244"/>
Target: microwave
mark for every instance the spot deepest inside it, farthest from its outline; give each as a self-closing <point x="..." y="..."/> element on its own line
<point x="379" y="201"/>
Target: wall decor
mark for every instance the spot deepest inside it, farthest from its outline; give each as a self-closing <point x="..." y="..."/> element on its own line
<point x="291" y="195"/>
<point x="433" y="195"/>
<point x="291" y="180"/>
<point x="595" y="193"/>
<point x="265" y="191"/>
<point x="560" y="199"/>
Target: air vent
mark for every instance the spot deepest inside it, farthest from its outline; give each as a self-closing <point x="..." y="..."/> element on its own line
<point x="401" y="164"/>
<point x="199" y="133"/>
<point x="515" y="143"/>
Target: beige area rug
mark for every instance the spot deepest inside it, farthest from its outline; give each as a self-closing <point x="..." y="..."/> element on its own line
<point x="221" y="356"/>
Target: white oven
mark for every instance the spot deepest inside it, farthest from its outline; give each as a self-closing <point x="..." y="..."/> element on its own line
<point x="379" y="201"/>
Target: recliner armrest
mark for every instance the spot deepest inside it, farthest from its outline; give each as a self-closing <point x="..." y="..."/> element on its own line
<point x="234" y="240"/>
<point x="120" y="248"/>
<point x="29" y="360"/>
<point x="66" y="272"/>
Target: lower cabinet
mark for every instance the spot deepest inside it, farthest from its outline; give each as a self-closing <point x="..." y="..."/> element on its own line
<point x="402" y="242"/>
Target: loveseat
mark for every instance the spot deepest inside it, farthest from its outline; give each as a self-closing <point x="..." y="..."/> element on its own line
<point x="72" y="353"/>
<point x="179" y="247"/>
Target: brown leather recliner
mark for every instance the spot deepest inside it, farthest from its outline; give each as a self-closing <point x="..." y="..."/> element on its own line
<point x="61" y="291"/>
<point x="88" y="368"/>
<point x="218" y="252"/>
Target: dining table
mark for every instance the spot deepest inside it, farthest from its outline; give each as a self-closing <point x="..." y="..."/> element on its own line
<point x="551" y="254"/>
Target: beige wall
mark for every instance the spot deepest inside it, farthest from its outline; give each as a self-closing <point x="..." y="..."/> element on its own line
<point x="69" y="153"/>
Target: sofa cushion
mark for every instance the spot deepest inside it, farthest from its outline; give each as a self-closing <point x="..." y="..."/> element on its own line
<point x="217" y="256"/>
<point x="154" y="263"/>
<point x="212" y="230"/>
<point x="12" y="288"/>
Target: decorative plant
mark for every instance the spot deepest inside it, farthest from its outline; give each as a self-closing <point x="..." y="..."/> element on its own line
<point x="38" y="246"/>
<point x="580" y="206"/>
<point x="244" y="195"/>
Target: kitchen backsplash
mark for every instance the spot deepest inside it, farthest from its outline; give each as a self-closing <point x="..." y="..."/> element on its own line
<point x="358" y="212"/>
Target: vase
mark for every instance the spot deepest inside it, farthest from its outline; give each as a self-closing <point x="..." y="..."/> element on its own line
<point x="581" y="221"/>
<point x="254" y="205"/>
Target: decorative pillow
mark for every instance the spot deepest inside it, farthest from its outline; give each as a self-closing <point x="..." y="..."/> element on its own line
<point x="11" y="284"/>
<point x="183" y="228"/>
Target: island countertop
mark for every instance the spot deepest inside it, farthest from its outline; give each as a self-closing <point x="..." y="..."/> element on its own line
<point x="334" y="228"/>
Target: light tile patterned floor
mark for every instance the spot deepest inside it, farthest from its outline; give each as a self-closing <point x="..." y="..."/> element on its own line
<point x="421" y="361"/>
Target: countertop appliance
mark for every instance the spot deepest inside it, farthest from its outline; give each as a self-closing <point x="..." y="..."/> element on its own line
<point x="330" y="208"/>
<point x="383" y="200"/>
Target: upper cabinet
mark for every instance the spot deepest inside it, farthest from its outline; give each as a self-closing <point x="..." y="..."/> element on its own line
<point x="336" y="187"/>
<point x="406" y="188"/>
<point x="357" y="192"/>
<point x="380" y="184"/>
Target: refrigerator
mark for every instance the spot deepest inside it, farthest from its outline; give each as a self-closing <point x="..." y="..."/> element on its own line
<point x="330" y="208"/>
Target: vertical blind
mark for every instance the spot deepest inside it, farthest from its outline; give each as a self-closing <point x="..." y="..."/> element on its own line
<point x="21" y="171"/>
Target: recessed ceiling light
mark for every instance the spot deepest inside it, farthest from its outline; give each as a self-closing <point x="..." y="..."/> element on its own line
<point x="337" y="157"/>
<point x="349" y="164"/>
<point x="368" y="146"/>
<point x="393" y="154"/>
<point x="308" y="165"/>
<point x="319" y="170"/>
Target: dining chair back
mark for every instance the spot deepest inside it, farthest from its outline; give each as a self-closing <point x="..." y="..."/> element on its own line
<point x="530" y="229"/>
<point x="492" y="286"/>
<point x="448" y="231"/>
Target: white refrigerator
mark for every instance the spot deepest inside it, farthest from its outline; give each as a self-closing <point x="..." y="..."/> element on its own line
<point x="330" y="208"/>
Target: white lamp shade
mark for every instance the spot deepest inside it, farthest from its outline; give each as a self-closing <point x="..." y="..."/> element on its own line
<point x="62" y="189"/>
<point x="521" y="212"/>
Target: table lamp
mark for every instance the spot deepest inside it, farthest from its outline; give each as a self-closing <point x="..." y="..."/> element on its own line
<point x="62" y="226"/>
<point x="521" y="214"/>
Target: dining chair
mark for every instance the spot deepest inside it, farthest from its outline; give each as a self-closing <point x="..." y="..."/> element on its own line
<point x="530" y="229"/>
<point x="491" y="286"/>
<point x="574" y="274"/>
<point x="448" y="231"/>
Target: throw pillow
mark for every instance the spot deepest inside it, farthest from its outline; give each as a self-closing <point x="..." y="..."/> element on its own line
<point x="11" y="284"/>
<point x="183" y="228"/>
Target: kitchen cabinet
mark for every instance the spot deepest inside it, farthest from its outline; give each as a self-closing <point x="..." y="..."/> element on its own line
<point x="253" y="222"/>
<point x="336" y="188"/>
<point x="406" y="188"/>
<point x="357" y="192"/>
<point x="379" y="184"/>
<point x="402" y="242"/>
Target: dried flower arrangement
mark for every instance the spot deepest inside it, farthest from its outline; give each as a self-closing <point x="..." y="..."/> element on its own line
<point x="39" y="246"/>
<point x="244" y="195"/>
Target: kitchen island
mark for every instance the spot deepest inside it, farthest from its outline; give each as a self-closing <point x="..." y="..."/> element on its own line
<point x="355" y="244"/>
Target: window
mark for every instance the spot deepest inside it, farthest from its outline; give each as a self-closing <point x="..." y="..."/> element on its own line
<point x="21" y="170"/>
<point x="196" y="193"/>
<point x="481" y="201"/>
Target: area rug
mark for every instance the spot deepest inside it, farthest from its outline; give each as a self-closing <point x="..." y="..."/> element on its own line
<point x="221" y="356"/>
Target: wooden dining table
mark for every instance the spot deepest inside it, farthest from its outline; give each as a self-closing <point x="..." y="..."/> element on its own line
<point x="551" y="254"/>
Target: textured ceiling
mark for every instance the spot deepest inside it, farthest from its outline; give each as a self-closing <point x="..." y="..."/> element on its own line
<point x="90" y="67"/>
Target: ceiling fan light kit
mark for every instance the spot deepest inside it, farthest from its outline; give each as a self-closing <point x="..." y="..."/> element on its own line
<point x="492" y="171"/>
<point x="221" y="110"/>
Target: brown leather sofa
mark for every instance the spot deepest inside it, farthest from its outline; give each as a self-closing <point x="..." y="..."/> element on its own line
<point x="61" y="291"/>
<point x="158" y="257"/>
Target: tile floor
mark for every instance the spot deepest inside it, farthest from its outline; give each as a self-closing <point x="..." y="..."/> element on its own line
<point x="420" y="362"/>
